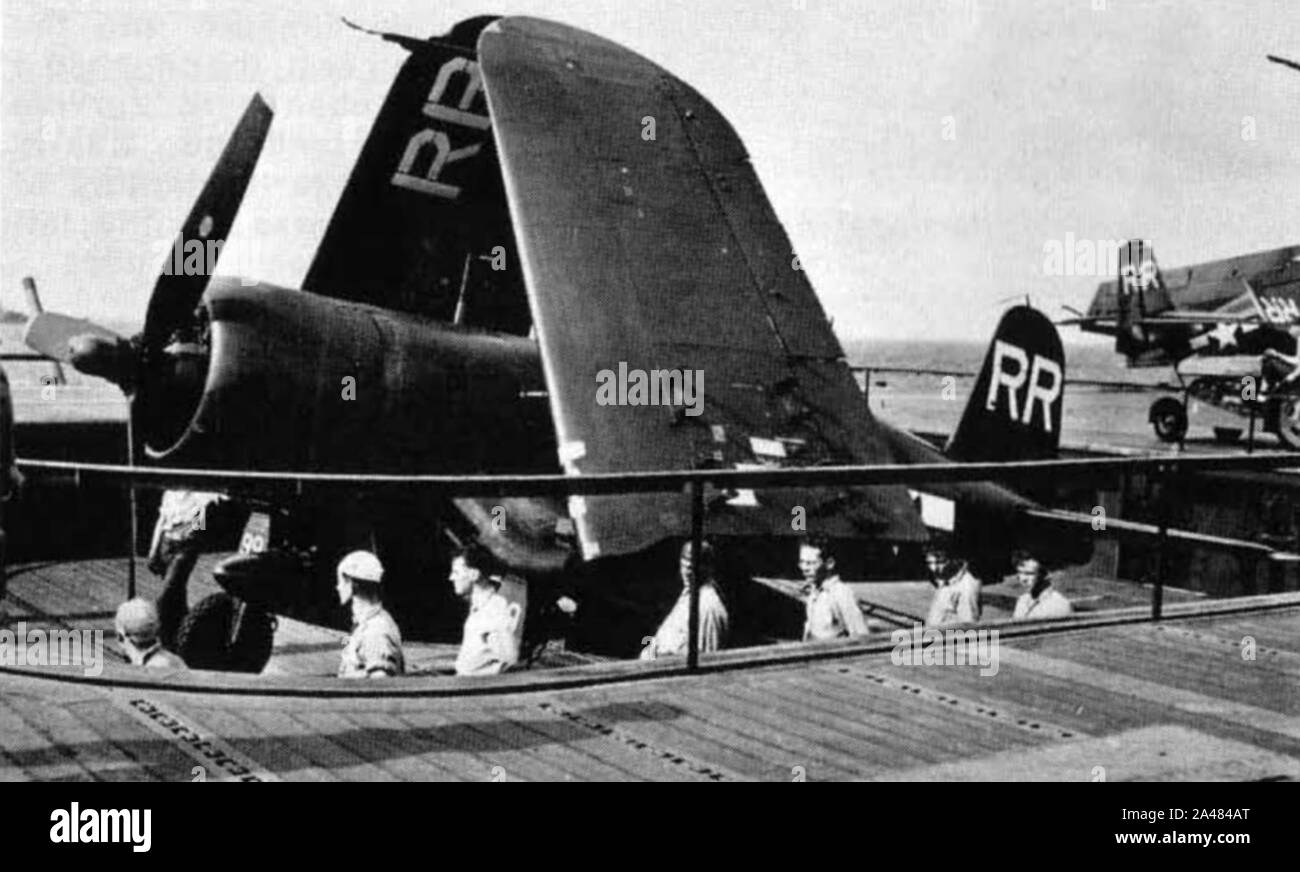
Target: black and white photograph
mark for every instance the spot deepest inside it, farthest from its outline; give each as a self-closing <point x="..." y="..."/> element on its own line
<point x="781" y="390"/>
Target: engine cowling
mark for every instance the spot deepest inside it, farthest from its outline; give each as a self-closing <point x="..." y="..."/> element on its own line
<point x="288" y="380"/>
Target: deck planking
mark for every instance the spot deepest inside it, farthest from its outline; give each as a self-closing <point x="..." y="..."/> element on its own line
<point x="1058" y="697"/>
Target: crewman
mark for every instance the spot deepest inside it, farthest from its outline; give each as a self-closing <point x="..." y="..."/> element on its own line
<point x="374" y="650"/>
<point x="178" y="540"/>
<point x="673" y="636"/>
<point x="832" y="609"/>
<point x="957" y="595"/>
<point x="494" y="627"/>
<point x="1041" y="601"/>
<point x="137" y="632"/>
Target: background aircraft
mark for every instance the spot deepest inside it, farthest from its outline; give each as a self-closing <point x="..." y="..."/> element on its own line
<point x="1240" y="306"/>
<point x="1246" y="305"/>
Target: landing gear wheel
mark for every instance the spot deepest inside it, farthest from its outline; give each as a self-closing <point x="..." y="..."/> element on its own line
<point x="1288" y="422"/>
<point x="1169" y="419"/>
<point x="227" y="634"/>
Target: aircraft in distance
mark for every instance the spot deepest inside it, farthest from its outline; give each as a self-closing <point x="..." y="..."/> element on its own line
<point x="1247" y="305"/>
<point x="551" y="254"/>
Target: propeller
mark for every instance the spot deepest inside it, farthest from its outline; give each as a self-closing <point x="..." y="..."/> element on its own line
<point x="176" y="296"/>
<point x="51" y="334"/>
<point x="91" y="348"/>
<point x="96" y="350"/>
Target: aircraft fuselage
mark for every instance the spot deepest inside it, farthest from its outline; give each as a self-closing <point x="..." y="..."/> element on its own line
<point x="301" y="381"/>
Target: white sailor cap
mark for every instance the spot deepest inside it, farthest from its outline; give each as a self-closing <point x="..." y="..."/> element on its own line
<point x="362" y="566"/>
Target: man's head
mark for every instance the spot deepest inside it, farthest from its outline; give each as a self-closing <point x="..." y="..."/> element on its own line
<point x="1030" y="571"/>
<point x="816" y="560"/>
<point x="359" y="576"/>
<point x="706" y="562"/>
<point x="939" y="561"/>
<point x="470" y="565"/>
<point x="137" y="627"/>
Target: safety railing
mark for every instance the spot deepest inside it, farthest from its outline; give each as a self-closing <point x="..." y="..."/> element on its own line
<point x="694" y="482"/>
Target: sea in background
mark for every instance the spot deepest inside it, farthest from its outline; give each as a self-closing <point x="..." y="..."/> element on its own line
<point x="1092" y="361"/>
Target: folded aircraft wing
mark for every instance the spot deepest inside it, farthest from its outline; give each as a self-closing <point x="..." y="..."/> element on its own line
<point x="650" y="253"/>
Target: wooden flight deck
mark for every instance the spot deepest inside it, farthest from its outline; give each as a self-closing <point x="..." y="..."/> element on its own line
<point x="1107" y="694"/>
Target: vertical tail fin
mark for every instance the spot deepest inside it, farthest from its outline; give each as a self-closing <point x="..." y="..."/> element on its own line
<point x="1140" y="292"/>
<point x="1014" y="411"/>
<point x="424" y="208"/>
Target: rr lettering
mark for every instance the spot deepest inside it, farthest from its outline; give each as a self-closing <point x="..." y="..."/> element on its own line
<point x="1003" y="353"/>
<point x="1044" y="394"/>
<point x="442" y="155"/>
<point x="442" y="107"/>
<point x="1011" y="370"/>
<point x="434" y="106"/>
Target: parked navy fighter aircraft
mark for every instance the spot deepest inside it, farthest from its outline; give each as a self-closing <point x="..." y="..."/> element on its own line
<point x="536" y="212"/>
<point x="1247" y="305"/>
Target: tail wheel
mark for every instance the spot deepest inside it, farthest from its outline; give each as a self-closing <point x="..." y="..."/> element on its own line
<point x="1288" y="422"/>
<point x="227" y="634"/>
<point x="1169" y="419"/>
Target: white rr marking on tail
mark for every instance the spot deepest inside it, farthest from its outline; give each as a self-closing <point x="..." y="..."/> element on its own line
<point x="1047" y="395"/>
<point x="1003" y="351"/>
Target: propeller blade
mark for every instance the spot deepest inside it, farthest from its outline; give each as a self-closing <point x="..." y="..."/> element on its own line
<point x="176" y="296"/>
<point x="91" y="348"/>
<point x="50" y="333"/>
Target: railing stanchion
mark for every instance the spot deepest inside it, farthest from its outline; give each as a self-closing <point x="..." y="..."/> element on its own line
<point x="1162" y="549"/>
<point x="1182" y="437"/>
<point x="133" y="531"/>
<point x="1250" y="433"/>
<point x="697" y="544"/>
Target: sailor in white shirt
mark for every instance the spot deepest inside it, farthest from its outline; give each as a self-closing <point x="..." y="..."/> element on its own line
<point x="1041" y="601"/>
<point x="494" y="627"/>
<point x="374" y="649"/>
<point x="957" y="598"/>
<point x="831" y="607"/>
<point x="673" y="636"/>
